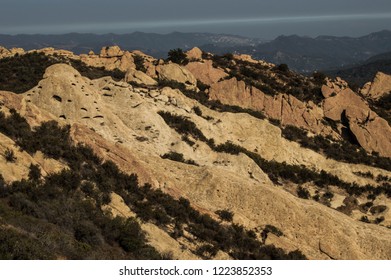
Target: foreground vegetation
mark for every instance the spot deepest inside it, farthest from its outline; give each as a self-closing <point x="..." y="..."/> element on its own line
<point x="277" y="171"/>
<point x="23" y="72"/>
<point x="60" y="216"/>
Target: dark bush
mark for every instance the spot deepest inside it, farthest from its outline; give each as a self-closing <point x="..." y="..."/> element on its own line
<point x="303" y="193"/>
<point x="178" y="157"/>
<point x="274" y="230"/>
<point x="139" y="62"/>
<point x="225" y="215"/>
<point x="178" y="56"/>
<point x="182" y="125"/>
<point x="9" y="155"/>
<point x="34" y="173"/>
<point x="282" y="68"/>
<point x="23" y="72"/>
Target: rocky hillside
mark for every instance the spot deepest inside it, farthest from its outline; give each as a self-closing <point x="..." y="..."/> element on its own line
<point x="199" y="156"/>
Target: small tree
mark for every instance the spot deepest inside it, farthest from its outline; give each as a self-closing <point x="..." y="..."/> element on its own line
<point x="225" y="215"/>
<point x="139" y="62"/>
<point x="283" y="68"/>
<point x="178" y="56"/>
<point x="9" y="155"/>
<point x="303" y="193"/>
<point x="34" y="173"/>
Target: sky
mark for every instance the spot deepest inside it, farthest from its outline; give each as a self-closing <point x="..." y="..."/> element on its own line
<point x="253" y="18"/>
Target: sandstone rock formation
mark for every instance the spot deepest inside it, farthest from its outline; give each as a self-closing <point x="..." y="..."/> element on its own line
<point x="121" y="123"/>
<point x="194" y="54"/>
<point x="285" y="108"/>
<point x="335" y="105"/>
<point x="11" y="52"/>
<point x="372" y="132"/>
<point x="176" y="73"/>
<point x="139" y="77"/>
<point x="109" y="52"/>
<point x="110" y="58"/>
<point x="380" y="86"/>
<point x="205" y="72"/>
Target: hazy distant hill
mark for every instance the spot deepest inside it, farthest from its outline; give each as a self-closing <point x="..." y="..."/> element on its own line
<point x="151" y="43"/>
<point x="307" y="54"/>
<point x="303" y="54"/>
<point x="360" y="74"/>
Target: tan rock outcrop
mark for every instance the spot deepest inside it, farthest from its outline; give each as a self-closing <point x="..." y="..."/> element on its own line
<point x="380" y="86"/>
<point x="176" y="73"/>
<point x="113" y="51"/>
<point x="130" y="132"/>
<point x="194" y="54"/>
<point x="4" y="52"/>
<point x="111" y="58"/>
<point x="372" y="132"/>
<point x="245" y="57"/>
<point x="139" y="78"/>
<point x="205" y="72"/>
<point x="285" y="108"/>
<point x="334" y="106"/>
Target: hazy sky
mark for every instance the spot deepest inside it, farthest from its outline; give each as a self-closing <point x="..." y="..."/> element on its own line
<point x="256" y="18"/>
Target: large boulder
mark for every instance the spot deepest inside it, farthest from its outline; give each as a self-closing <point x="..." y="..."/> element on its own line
<point x="380" y="86"/>
<point x="194" y="54"/>
<point x="139" y="78"/>
<point x="372" y="132"/>
<point x="176" y="73"/>
<point x="205" y="72"/>
<point x="335" y="105"/>
<point x="113" y="51"/>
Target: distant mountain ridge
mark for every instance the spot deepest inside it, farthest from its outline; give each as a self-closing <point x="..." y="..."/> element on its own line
<point x="151" y="43"/>
<point x="359" y="74"/>
<point x="303" y="54"/>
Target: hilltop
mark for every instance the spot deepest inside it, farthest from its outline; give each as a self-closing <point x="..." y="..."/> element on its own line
<point x="197" y="156"/>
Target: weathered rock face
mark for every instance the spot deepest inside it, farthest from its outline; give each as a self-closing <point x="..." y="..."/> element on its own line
<point x="11" y="52"/>
<point x="205" y="72"/>
<point x="380" y="86"/>
<point x="285" y="108"/>
<point x="110" y="58"/>
<point x="194" y="54"/>
<point x="335" y="105"/>
<point x="176" y="73"/>
<point x="222" y="181"/>
<point x="139" y="78"/>
<point x="113" y="51"/>
<point x="56" y="94"/>
<point x="372" y="132"/>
